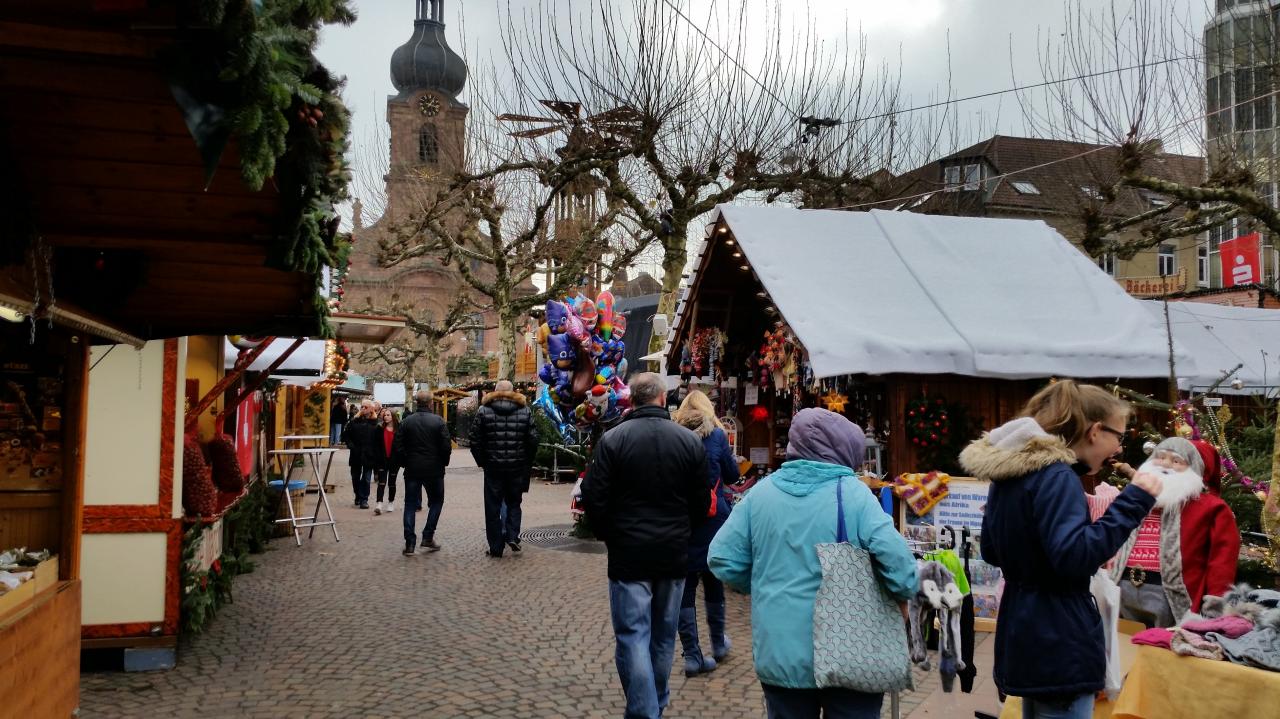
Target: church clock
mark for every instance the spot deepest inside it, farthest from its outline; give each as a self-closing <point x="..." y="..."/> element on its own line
<point x="428" y="105"/>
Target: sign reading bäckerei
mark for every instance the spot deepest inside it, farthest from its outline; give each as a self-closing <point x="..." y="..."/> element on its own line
<point x="1155" y="286"/>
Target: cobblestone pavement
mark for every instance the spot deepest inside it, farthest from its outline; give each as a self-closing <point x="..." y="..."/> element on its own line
<point x="354" y="629"/>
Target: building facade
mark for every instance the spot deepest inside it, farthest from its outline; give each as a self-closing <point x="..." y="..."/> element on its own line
<point x="1059" y="182"/>
<point x="427" y="126"/>
<point x="1240" y="51"/>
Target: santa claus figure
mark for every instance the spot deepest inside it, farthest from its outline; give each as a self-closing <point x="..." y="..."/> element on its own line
<point x="1187" y="547"/>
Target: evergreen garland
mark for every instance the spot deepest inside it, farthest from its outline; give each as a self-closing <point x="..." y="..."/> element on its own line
<point x="290" y="124"/>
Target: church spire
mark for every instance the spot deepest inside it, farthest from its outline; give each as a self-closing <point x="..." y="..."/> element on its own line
<point x="432" y="10"/>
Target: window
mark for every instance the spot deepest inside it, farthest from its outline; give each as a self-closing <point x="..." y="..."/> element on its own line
<point x="1202" y="264"/>
<point x="962" y="177"/>
<point x="1155" y="200"/>
<point x="475" y="335"/>
<point x="1091" y="192"/>
<point x="1107" y="263"/>
<point x="1166" y="260"/>
<point x="1025" y="188"/>
<point x="1244" y="91"/>
<point x="428" y="144"/>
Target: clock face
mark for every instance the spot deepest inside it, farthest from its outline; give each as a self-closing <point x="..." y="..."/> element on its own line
<point x="429" y="106"/>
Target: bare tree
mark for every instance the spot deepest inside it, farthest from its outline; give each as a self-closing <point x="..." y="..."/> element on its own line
<point x="731" y="105"/>
<point x="417" y="355"/>
<point x="1135" y="78"/>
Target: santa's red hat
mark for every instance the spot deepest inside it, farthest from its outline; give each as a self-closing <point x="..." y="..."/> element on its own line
<point x="1212" y="465"/>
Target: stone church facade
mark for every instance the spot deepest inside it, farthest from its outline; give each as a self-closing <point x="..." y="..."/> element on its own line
<point x="428" y="143"/>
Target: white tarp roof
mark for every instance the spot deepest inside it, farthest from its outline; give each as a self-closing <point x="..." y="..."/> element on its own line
<point x="310" y="356"/>
<point x="1220" y="338"/>
<point x="879" y="292"/>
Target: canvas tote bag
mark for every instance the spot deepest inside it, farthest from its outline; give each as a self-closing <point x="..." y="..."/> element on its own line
<point x="859" y="637"/>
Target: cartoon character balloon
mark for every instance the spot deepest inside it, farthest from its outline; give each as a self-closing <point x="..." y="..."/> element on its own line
<point x="585" y="373"/>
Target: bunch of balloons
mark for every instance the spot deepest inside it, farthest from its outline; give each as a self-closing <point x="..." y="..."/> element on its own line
<point x="585" y="375"/>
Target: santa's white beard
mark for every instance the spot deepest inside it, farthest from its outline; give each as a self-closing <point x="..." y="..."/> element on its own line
<point x="1179" y="486"/>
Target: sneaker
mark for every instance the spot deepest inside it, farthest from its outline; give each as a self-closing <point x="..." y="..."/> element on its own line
<point x="515" y="546"/>
<point x="377" y="508"/>
<point x="430" y="545"/>
<point x="391" y="507"/>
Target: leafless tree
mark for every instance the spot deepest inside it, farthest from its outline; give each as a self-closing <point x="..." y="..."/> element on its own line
<point x="733" y="104"/>
<point x="1133" y="77"/>
<point x="416" y="354"/>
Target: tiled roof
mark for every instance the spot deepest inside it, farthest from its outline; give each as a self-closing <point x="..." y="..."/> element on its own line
<point x="1075" y="165"/>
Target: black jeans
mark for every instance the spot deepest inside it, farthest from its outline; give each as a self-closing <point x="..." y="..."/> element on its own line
<point x="387" y="477"/>
<point x="712" y="589"/>
<point x="784" y="703"/>
<point x="502" y="488"/>
<point x="360" y="477"/>
<point x="413" y="486"/>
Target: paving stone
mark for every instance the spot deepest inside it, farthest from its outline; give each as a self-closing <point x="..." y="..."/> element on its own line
<point x="353" y="628"/>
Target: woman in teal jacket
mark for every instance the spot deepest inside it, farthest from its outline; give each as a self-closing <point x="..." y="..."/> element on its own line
<point x="767" y="550"/>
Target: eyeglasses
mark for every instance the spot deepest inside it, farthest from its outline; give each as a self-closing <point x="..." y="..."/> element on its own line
<point x="1119" y="435"/>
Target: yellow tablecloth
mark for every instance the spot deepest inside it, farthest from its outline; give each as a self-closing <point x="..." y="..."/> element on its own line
<point x="1163" y="685"/>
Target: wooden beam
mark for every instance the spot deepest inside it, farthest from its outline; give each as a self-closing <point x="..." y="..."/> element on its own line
<point x="232" y="376"/>
<point x="258" y="381"/>
<point x="75" y="40"/>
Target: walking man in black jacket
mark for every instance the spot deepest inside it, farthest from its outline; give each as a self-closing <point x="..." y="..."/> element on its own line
<point x="645" y="489"/>
<point x="503" y="442"/>
<point x="360" y="436"/>
<point x="422" y="443"/>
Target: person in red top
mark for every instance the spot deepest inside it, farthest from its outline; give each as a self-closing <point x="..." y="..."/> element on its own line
<point x="1187" y="547"/>
<point x="388" y="467"/>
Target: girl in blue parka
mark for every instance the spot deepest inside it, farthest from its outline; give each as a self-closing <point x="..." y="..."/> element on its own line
<point x="766" y="548"/>
<point x="1036" y="529"/>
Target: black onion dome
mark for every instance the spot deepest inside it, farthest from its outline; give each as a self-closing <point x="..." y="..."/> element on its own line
<point x="426" y="62"/>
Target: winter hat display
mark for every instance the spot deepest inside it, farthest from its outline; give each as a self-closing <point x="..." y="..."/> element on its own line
<point x="1259" y="648"/>
<point x="937" y="592"/>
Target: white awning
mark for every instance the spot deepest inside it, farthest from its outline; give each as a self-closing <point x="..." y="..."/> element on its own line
<point x="1221" y="337"/>
<point x="308" y="357"/>
<point x="882" y="292"/>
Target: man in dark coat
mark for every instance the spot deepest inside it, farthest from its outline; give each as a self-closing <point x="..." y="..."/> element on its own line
<point x="644" y="491"/>
<point x="360" y="436"/>
<point x="503" y="443"/>
<point x="422" y="446"/>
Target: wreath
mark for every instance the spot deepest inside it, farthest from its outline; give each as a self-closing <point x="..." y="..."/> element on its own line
<point x="928" y="423"/>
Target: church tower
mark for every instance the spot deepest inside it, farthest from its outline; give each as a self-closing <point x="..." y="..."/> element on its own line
<point x="428" y="123"/>
<point x="428" y="144"/>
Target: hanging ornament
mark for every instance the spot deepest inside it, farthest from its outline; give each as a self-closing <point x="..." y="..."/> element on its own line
<point x="834" y="401"/>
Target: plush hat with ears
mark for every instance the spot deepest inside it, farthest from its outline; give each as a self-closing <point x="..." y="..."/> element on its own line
<point x="1212" y="465"/>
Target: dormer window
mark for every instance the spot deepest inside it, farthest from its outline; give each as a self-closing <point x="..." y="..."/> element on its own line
<point x="1091" y="192"/>
<point x="428" y="144"/>
<point x="962" y="177"/>
<point x="1022" y="187"/>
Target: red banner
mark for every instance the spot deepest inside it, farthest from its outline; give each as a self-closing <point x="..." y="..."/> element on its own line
<point x="1241" y="264"/>
<point x="246" y="420"/>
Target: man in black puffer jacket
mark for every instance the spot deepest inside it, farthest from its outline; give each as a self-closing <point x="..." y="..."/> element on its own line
<point x="504" y="442"/>
<point x="644" y="491"/>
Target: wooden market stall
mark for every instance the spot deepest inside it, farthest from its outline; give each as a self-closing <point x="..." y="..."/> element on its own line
<point x="126" y="192"/>
<point x="923" y="329"/>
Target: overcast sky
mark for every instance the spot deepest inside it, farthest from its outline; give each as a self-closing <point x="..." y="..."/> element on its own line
<point x="988" y="40"/>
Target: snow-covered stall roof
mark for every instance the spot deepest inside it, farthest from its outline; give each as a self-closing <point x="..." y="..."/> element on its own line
<point x="880" y="292"/>
<point x="1220" y="338"/>
<point x="307" y="358"/>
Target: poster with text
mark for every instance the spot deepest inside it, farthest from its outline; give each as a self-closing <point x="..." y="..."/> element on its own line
<point x="964" y="506"/>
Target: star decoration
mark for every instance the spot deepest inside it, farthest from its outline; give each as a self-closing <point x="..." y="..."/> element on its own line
<point x="835" y="401"/>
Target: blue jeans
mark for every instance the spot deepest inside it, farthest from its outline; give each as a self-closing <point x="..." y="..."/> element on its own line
<point x="645" y="615"/>
<point x="785" y="703"/>
<point x="360" y="480"/>
<point x="335" y="434"/>
<point x="1079" y="707"/>
<point x="413" y="487"/>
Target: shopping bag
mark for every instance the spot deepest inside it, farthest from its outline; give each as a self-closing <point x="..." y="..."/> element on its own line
<point x="859" y="637"/>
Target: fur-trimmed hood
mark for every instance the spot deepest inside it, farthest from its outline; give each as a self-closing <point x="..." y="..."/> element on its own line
<point x="516" y="397"/>
<point x="703" y="424"/>
<point x="1013" y="450"/>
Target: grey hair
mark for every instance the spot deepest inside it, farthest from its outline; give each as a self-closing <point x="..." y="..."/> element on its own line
<point x="504" y="385"/>
<point x="1186" y="450"/>
<point x="647" y="387"/>
<point x="421" y="398"/>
